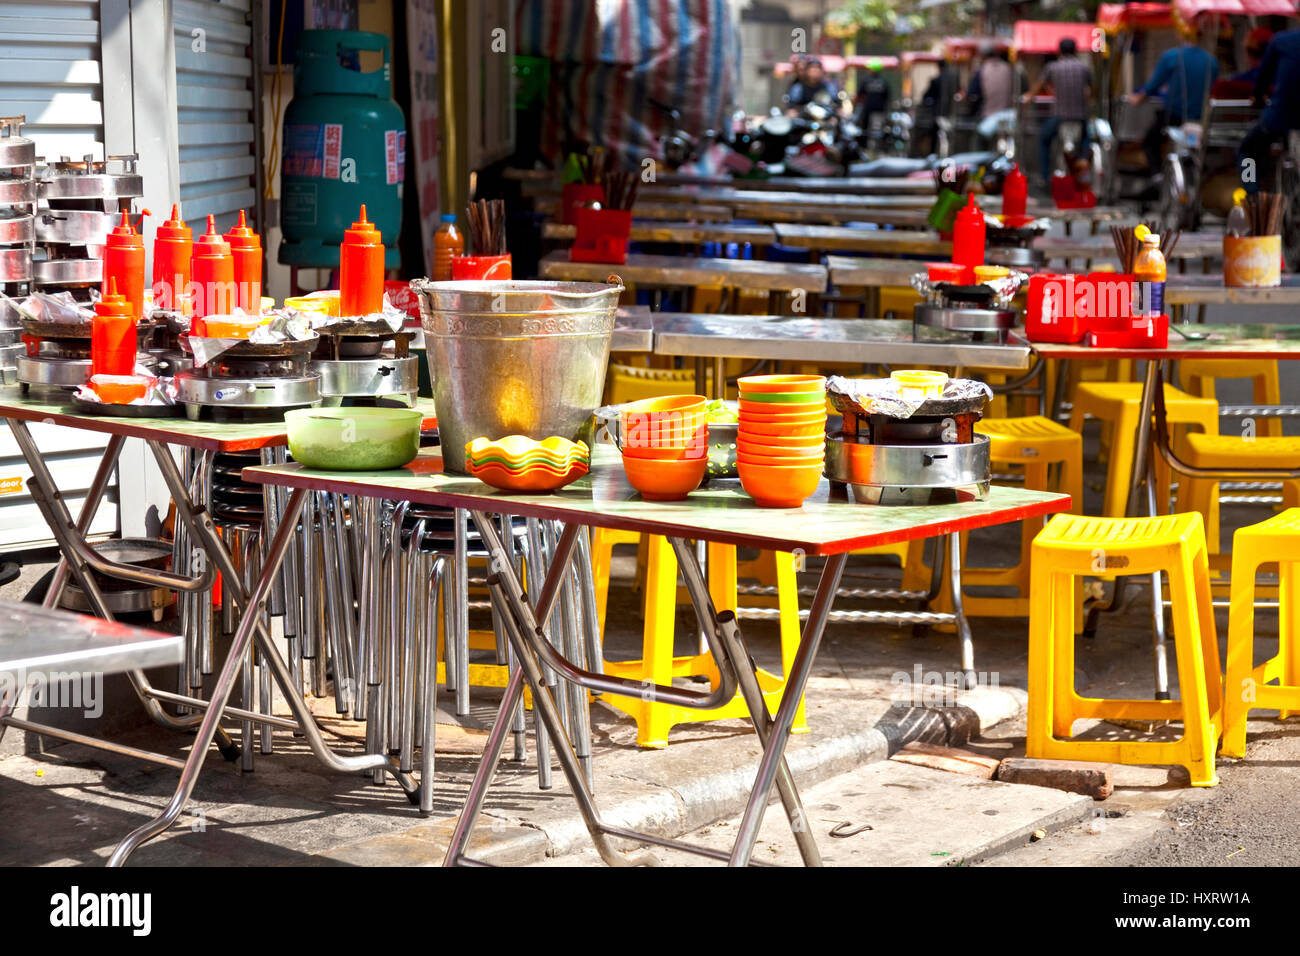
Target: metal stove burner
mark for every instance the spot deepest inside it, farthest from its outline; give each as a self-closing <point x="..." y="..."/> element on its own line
<point x="52" y="372"/>
<point x="910" y="474"/>
<point x="244" y="398"/>
<point x="997" y="321"/>
<point x="1012" y="256"/>
<point x="382" y="377"/>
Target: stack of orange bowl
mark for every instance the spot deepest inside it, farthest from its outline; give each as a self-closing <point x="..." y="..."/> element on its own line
<point x="781" y="442"/>
<point x="519" y="463"/>
<point x="665" y="444"/>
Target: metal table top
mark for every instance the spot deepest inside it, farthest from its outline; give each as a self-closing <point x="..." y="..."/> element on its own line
<point x="720" y="512"/>
<point x="651" y="270"/>
<point x="205" y="435"/>
<point x="1197" y="289"/>
<point x="1211" y="342"/>
<point x="856" y="271"/>
<point x="35" y="639"/>
<point x="634" y="329"/>
<point x="647" y="209"/>
<point x="1191" y="245"/>
<point x="684" y="232"/>
<point x="885" y="341"/>
<point x="850" y="239"/>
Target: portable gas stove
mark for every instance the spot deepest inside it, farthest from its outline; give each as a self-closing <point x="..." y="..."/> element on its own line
<point x="977" y="309"/>
<point x="365" y="363"/>
<point x="932" y="456"/>
<point x="57" y="354"/>
<point x="250" y="382"/>
<point x="1006" y="245"/>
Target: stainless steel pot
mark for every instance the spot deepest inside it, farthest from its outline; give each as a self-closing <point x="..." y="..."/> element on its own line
<point x="515" y="358"/>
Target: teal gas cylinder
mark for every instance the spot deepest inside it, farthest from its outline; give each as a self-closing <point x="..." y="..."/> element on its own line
<point x="344" y="145"/>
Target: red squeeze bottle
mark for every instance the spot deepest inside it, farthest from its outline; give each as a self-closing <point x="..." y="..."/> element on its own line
<point x="968" y="236"/>
<point x="112" y="334"/>
<point x="246" y="249"/>
<point x="173" y="245"/>
<point x="124" y="263"/>
<point x="1015" y="192"/>
<point x="213" y="270"/>
<point x="361" y="269"/>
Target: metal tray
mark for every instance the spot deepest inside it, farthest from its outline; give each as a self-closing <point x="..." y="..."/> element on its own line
<point x="84" y="407"/>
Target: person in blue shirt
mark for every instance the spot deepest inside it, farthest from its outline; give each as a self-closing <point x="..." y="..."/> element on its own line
<point x="1185" y="74"/>
<point x="1279" y="75"/>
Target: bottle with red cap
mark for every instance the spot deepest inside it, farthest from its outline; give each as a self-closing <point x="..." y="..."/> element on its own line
<point x="173" y="245"/>
<point x="246" y="250"/>
<point x="112" y="334"/>
<point x="213" y="269"/>
<point x="124" y="263"/>
<point x="361" y="269"/>
<point x="968" y="236"/>
<point x="1015" y="193"/>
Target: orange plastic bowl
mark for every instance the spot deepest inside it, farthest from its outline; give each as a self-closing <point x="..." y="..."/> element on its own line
<point x="785" y="461"/>
<point x="781" y="383"/>
<point x="762" y="450"/>
<point x="667" y="403"/>
<point x="777" y="486"/>
<point x="698" y="449"/>
<point x="530" y="479"/>
<point x="792" y="418"/>
<point x="785" y="440"/>
<point x="665" y="480"/>
<point x="783" y="430"/>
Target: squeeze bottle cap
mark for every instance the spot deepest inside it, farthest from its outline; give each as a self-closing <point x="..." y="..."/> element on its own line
<point x="448" y="217"/>
<point x="1141" y="232"/>
<point x="242" y="236"/>
<point x="1238" y="196"/>
<point x="112" y="305"/>
<point x="211" y="243"/>
<point x="363" y="232"/>
<point x="124" y="234"/>
<point x="175" y="227"/>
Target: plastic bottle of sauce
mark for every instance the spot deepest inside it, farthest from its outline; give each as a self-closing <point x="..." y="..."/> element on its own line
<point x="447" y="242"/>
<point x="112" y="334"/>
<point x="968" y="236"/>
<point x="173" y="245"/>
<point x="1015" y="192"/>
<point x="1149" y="270"/>
<point x="361" y="269"/>
<point x="213" y="270"/>
<point x="124" y="263"/>
<point x="246" y="251"/>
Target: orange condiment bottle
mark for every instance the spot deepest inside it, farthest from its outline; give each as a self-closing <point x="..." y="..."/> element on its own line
<point x="1149" y="270"/>
<point x="173" y="245"/>
<point x="213" y="269"/>
<point x="112" y="334"/>
<point x="361" y="269"/>
<point x="124" y="263"/>
<point x="246" y="251"/>
<point x="447" y="242"/>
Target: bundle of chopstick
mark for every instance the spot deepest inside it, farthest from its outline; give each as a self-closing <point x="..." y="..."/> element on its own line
<point x="487" y="226"/>
<point x="1127" y="244"/>
<point x="1264" y="213"/>
<point x="620" y="189"/>
<point x="950" y="177"/>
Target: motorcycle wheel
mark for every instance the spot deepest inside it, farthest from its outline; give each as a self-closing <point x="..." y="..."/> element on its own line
<point x="1175" y="196"/>
<point x="1291" y="218"/>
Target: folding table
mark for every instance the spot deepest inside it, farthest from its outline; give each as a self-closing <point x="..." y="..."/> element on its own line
<point x="209" y="552"/>
<point x="826" y="525"/>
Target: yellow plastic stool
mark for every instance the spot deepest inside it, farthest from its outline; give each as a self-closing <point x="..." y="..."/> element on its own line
<point x="1197" y="377"/>
<point x="629" y="383"/>
<point x="659" y="665"/>
<point x="1119" y="403"/>
<point x="1248" y="687"/>
<point x="1034" y="444"/>
<point x="1228" y="453"/>
<point x="1072" y="547"/>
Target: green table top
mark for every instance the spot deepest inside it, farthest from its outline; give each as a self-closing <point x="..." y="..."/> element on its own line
<point x="720" y="511"/>
<point x="205" y="435"/>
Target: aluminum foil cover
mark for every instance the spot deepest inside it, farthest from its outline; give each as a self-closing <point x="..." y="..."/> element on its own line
<point x="59" y="307"/>
<point x="390" y="317"/>
<point x="885" y="396"/>
<point x="290" y="326"/>
<point x="1004" y="289"/>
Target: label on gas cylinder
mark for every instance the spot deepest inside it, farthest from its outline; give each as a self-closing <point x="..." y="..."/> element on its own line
<point x="298" y="203"/>
<point x="394" y="156"/>
<point x="313" y="150"/>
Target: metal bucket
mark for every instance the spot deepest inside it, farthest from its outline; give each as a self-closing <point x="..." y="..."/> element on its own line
<point x="515" y="358"/>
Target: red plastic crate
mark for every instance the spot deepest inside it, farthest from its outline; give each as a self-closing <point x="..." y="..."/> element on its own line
<point x="602" y="236"/>
<point x="1138" y="332"/>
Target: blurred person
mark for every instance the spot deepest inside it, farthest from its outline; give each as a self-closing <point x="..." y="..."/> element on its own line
<point x="992" y="87"/>
<point x="1070" y="79"/>
<point x="810" y="85"/>
<point x="1277" y="85"/>
<point x="1257" y="42"/>
<point x="1185" y="73"/>
<point x="873" y="97"/>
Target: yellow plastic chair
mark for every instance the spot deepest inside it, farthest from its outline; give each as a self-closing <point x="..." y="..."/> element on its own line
<point x="1072" y="547"/>
<point x="1229" y="453"/>
<point x="1249" y="687"/>
<point x="1198" y="377"/>
<point x="1119" y="404"/>
<point x="659" y="665"/>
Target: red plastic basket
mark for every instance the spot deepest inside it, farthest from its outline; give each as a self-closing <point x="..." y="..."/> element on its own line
<point x="602" y="235"/>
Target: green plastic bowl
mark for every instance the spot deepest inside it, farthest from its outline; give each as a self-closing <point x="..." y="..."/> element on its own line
<point x="354" y="439"/>
<point x="785" y="398"/>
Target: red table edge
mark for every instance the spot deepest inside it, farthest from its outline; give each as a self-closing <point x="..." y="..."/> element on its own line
<point x="1059" y="352"/>
<point x="147" y="429"/>
<point x="336" y="484"/>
